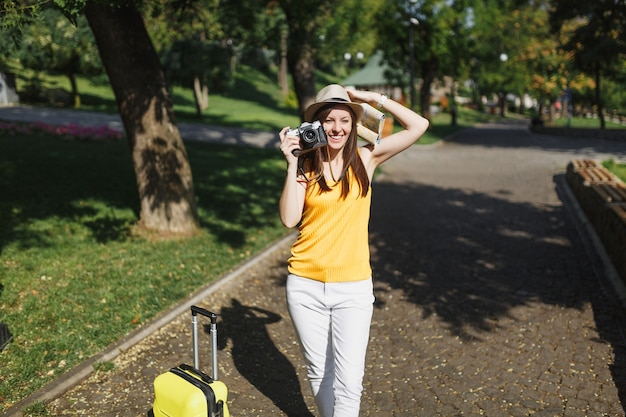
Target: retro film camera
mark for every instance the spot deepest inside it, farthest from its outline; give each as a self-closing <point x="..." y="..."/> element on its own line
<point x="312" y="136"/>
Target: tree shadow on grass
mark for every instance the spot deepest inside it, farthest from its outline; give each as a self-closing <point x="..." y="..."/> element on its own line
<point x="238" y="191"/>
<point x="50" y="180"/>
<point x="5" y="334"/>
<point x="92" y="184"/>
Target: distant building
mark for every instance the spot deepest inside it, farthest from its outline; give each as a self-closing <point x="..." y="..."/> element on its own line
<point x="372" y="77"/>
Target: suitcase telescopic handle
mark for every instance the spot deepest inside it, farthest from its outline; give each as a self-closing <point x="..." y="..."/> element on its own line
<point x="195" y="310"/>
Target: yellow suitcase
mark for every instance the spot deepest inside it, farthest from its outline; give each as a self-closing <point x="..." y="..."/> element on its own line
<point x="185" y="391"/>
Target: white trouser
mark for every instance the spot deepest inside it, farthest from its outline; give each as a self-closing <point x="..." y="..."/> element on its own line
<point x="332" y="321"/>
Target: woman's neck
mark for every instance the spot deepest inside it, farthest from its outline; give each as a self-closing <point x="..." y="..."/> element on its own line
<point x="335" y="166"/>
<point x="334" y="155"/>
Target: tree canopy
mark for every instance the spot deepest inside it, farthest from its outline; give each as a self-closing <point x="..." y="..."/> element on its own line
<point x="595" y="36"/>
<point x="535" y="47"/>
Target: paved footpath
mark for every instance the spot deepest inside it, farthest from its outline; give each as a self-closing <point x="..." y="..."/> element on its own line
<point x="489" y="299"/>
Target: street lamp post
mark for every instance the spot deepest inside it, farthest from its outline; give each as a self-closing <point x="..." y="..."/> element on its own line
<point x="358" y="58"/>
<point x="412" y="22"/>
<point x="502" y="96"/>
<point x="412" y="65"/>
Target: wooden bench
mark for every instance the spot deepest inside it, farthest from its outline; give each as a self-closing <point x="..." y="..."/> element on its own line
<point x="620" y="210"/>
<point x="602" y="196"/>
<point x="591" y="172"/>
<point x="610" y="193"/>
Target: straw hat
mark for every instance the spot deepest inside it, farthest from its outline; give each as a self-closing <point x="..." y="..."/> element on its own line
<point x="333" y="93"/>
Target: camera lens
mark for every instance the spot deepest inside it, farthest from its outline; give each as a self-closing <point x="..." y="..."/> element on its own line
<point x="309" y="135"/>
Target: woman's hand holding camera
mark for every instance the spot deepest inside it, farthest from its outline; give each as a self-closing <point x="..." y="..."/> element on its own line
<point x="288" y="144"/>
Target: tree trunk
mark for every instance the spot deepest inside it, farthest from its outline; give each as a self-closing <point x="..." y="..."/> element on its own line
<point x="551" y="111"/>
<point x="282" y="72"/>
<point x="522" y="106"/>
<point x="599" y="98"/>
<point x="502" y="102"/>
<point x="75" y="95"/>
<point x="300" y="49"/>
<point x="201" y="94"/>
<point x="453" y="109"/>
<point x="300" y="61"/>
<point x="428" y="76"/>
<point x="164" y="180"/>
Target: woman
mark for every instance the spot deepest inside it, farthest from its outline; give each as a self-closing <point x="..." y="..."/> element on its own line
<point x="327" y="192"/>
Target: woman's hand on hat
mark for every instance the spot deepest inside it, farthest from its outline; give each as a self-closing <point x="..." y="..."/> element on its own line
<point x="288" y="144"/>
<point x="360" y="96"/>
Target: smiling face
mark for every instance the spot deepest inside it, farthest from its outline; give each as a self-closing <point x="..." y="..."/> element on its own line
<point x="338" y="125"/>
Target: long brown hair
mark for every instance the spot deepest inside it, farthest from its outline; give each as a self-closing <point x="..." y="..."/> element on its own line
<point x="312" y="162"/>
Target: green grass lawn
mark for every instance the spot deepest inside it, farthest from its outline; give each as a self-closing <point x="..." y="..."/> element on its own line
<point x="616" y="168"/>
<point x="585" y="123"/>
<point x="73" y="276"/>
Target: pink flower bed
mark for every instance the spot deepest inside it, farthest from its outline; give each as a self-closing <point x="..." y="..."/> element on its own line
<point x="70" y="130"/>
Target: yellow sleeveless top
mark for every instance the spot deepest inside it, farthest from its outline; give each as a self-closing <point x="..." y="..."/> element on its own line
<point x="333" y="245"/>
